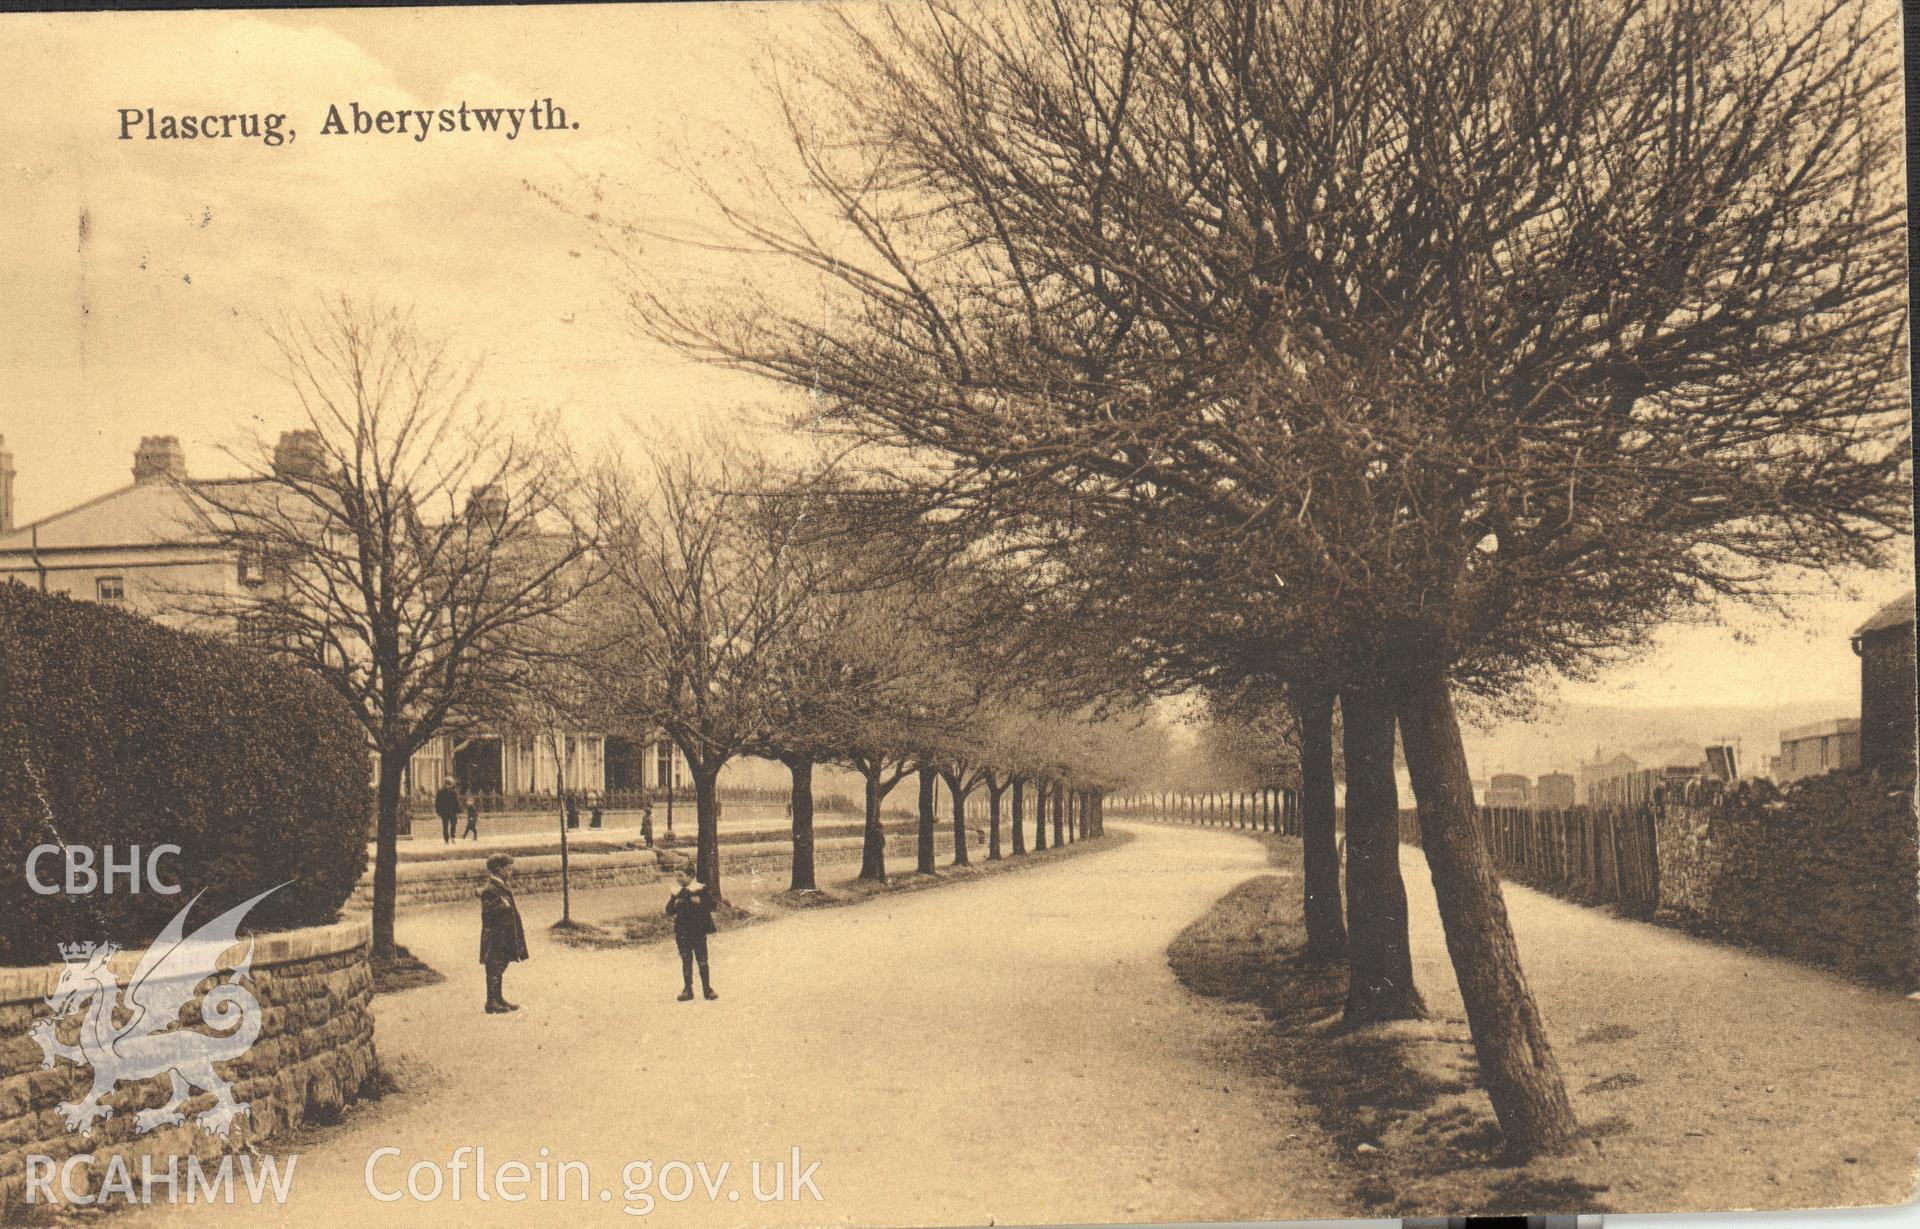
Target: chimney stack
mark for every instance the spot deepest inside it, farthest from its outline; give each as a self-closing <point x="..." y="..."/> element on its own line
<point x="6" y="486"/>
<point x="488" y="503"/>
<point x="159" y="459"/>
<point x="299" y="454"/>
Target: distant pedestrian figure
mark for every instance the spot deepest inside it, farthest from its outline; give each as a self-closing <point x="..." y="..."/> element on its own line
<point x="593" y="820"/>
<point x="503" y="940"/>
<point x="573" y="811"/>
<point x="446" y="804"/>
<point x="691" y="909"/>
<point x="646" y="822"/>
<point x="473" y="820"/>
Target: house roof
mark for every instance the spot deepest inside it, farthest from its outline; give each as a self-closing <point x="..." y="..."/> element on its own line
<point x="140" y="514"/>
<point x="1830" y="728"/>
<point x="1897" y="613"/>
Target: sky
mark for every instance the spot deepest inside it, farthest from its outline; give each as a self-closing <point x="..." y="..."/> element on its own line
<point x="142" y="275"/>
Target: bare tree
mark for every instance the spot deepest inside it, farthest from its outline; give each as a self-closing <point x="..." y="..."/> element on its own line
<point x="398" y="543"/>
<point x="707" y="580"/>
<point x="1468" y="342"/>
<point x="841" y="677"/>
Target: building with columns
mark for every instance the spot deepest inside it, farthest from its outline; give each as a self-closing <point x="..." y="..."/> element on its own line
<point x="149" y="547"/>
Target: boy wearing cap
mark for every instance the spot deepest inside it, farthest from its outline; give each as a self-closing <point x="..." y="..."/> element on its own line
<point x="691" y="909"/>
<point x="503" y="939"/>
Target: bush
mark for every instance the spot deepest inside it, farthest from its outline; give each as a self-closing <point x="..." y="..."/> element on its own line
<point x="117" y="731"/>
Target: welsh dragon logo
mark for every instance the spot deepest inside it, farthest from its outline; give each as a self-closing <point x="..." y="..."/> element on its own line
<point x="150" y="1039"/>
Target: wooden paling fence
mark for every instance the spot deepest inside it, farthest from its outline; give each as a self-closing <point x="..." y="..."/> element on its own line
<point x="1605" y="854"/>
<point x="1267" y="808"/>
<point x="1597" y="854"/>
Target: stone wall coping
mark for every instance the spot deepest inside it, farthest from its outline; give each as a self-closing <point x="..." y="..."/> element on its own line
<point x="353" y="932"/>
<point x="476" y="868"/>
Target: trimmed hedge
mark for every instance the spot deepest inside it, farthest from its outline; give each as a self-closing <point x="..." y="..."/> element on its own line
<point x="117" y="731"/>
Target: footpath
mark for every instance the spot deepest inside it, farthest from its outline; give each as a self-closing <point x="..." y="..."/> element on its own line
<point x="1008" y="1049"/>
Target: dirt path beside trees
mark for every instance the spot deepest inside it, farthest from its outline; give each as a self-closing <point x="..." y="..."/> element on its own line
<point x="1707" y="1077"/>
<point x="1013" y="1049"/>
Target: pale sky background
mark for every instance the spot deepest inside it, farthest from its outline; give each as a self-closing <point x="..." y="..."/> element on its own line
<point x="152" y="322"/>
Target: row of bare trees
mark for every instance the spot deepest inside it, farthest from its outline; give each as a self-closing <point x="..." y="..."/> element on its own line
<point x="448" y="571"/>
<point x="1364" y="353"/>
<point x="748" y="610"/>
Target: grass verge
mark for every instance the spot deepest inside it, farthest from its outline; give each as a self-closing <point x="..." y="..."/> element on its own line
<point x="404" y="971"/>
<point x="1414" y="1131"/>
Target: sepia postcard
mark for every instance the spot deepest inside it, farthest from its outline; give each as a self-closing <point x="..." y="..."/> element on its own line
<point x="957" y="612"/>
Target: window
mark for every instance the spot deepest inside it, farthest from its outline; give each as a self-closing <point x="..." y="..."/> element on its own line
<point x="260" y="564"/>
<point x="110" y="588"/>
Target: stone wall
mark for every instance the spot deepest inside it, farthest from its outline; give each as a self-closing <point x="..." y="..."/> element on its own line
<point x="314" y="1055"/>
<point x="1689" y="840"/>
<point x="1828" y="872"/>
<point x="454" y="880"/>
<point x="449" y="881"/>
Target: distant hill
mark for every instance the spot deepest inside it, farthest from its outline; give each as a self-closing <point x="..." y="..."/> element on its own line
<point x="1561" y="736"/>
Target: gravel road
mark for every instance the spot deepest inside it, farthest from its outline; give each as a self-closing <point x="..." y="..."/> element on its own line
<point x="1011" y="1049"/>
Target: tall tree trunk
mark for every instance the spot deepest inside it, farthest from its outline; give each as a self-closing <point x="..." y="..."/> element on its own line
<point x="1059" y="814"/>
<point x="1517" y="1065"/>
<point x="873" y="838"/>
<point x="1040" y="792"/>
<point x="706" y="810"/>
<point x="1379" y="960"/>
<point x="801" y="768"/>
<point x="1319" y="838"/>
<point x="955" y="791"/>
<point x="386" y="851"/>
<point x="925" y="866"/>
<point x="1016" y="820"/>
<point x="993" y="821"/>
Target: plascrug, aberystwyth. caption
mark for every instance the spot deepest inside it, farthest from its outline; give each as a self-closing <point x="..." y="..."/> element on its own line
<point x="270" y="128"/>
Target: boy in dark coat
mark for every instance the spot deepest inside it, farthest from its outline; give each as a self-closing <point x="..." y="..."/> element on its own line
<point x="691" y="909"/>
<point x="503" y="939"/>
